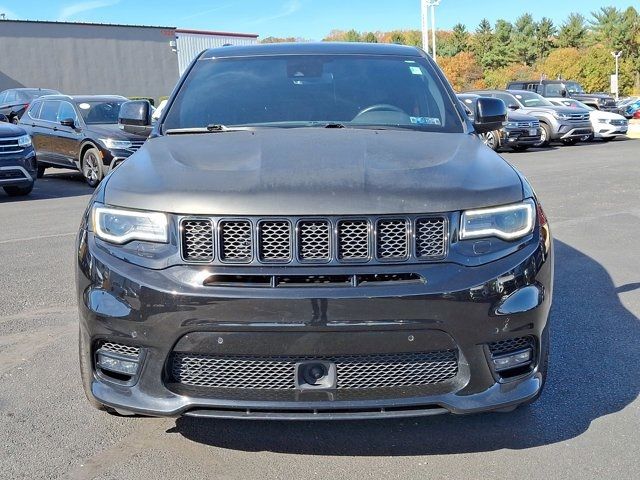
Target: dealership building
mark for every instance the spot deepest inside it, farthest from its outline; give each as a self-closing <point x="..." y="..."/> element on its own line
<point x="89" y="58"/>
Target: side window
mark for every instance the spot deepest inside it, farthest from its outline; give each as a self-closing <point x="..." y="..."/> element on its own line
<point x="3" y="95"/>
<point x="11" y="96"/>
<point x="554" y="90"/>
<point x="49" y="111"/>
<point x="34" y="110"/>
<point x="507" y="99"/>
<point x="66" y="111"/>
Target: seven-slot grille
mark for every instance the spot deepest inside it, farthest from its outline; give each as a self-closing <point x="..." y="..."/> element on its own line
<point x="578" y="117"/>
<point x="10" y="145"/>
<point x="534" y="124"/>
<point x="278" y="373"/>
<point x="314" y="240"/>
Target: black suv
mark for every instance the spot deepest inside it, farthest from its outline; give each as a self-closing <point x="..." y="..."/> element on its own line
<point x="567" y="88"/>
<point x="17" y="160"/>
<point x="15" y="101"/>
<point x="79" y="132"/>
<point x="314" y="231"/>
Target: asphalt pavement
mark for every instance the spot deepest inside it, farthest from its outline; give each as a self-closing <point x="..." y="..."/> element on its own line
<point x="586" y="425"/>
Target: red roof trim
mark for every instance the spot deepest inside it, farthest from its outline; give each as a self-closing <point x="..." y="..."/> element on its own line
<point x="227" y="34"/>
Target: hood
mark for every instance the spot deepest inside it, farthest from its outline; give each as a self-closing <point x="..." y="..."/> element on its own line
<point x="107" y="130"/>
<point x="313" y="171"/>
<point x="515" y="116"/>
<point x="603" y="96"/>
<point x="10" y="130"/>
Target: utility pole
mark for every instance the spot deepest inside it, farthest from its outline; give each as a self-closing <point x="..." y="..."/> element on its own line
<point x="617" y="55"/>
<point x="426" y="4"/>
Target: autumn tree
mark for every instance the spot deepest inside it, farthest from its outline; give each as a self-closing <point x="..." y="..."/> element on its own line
<point x="463" y="71"/>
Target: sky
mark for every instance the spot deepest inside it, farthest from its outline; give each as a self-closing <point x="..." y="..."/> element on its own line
<point x="309" y="19"/>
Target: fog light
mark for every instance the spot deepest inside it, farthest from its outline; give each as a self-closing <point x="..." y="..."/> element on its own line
<point x="117" y="365"/>
<point x="512" y="360"/>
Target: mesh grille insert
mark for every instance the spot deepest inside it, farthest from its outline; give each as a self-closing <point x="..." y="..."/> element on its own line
<point x="353" y="239"/>
<point x="392" y="240"/>
<point x="197" y="240"/>
<point x="430" y="237"/>
<point x="314" y="240"/>
<point x="120" y="349"/>
<point x="511" y="345"/>
<point x="275" y="240"/>
<point x="353" y="371"/>
<point x="236" y="241"/>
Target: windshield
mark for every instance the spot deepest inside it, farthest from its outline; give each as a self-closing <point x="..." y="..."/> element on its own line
<point x="574" y="87"/>
<point x="312" y="90"/>
<point x="100" y="111"/>
<point x="531" y="99"/>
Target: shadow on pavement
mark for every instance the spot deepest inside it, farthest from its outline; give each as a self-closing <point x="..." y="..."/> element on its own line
<point x="595" y="361"/>
<point x="61" y="184"/>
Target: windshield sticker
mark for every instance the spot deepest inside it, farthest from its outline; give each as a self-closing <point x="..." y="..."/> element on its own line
<point x="519" y="97"/>
<point x="425" y="121"/>
<point x="416" y="70"/>
<point x="84" y="106"/>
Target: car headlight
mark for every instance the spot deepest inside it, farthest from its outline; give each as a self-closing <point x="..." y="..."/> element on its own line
<point x="511" y="125"/>
<point x="508" y="222"/>
<point x="111" y="143"/>
<point x="561" y="116"/>
<point x="604" y="120"/>
<point x="24" y="141"/>
<point x="120" y="226"/>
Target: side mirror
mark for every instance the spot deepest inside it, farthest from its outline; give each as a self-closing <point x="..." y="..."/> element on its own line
<point x="135" y="117"/>
<point x="564" y="93"/>
<point x="68" y="122"/>
<point x="3" y="118"/>
<point x="513" y="106"/>
<point x="490" y="115"/>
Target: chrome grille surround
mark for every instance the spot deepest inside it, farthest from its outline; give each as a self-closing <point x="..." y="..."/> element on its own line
<point x="353" y="372"/>
<point x="10" y="145"/>
<point x="312" y="240"/>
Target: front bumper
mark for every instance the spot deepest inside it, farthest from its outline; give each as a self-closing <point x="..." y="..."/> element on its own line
<point x="568" y="131"/>
<point x="604" y="130"/>
<point x="18" y="169"/>
<point x="464" y="308"/>
<point x="518" y="137"/>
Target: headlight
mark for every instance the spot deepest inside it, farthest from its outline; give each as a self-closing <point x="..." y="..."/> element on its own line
<point x="116" y="225"/>
<point x="604" y="120"/>
<point x="561" y="116"/>
<point x="111" y="144"/>
<point x="24" y="141"/>
<point x="507" y="222"/>
<point x="511" y="125"/>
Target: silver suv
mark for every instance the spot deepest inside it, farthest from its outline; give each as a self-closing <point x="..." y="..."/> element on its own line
<point x="568" y="125"/>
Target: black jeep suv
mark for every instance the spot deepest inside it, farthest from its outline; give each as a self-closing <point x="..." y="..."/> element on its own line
<point x="567" y="88"/>
<point x="79" y="132"/>
<point x="313" y="231"/>
<point x="18" y="164"/>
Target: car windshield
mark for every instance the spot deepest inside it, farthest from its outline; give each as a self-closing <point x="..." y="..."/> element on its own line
<point x="531" y="99"/>
<point x="100" y="111"/>
<point x="574" y="87"/>
<point x="314" y="90"/>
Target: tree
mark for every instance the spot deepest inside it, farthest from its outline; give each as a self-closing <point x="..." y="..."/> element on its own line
<point x="524" y="39"/>
<point x="352" y="36"/>
<point x="482" y="40"/>
<point x="607" y="26"/>
<point x="573" y="32"/>
<point x="500" y="53"/>
<point x="462" y="71"/>
<point x="459" y="39"/>
<point x="563" y="63"/>
<point x="370" y="37"/>
<point x="397" y="37"/>
<point x="545" y="31"/>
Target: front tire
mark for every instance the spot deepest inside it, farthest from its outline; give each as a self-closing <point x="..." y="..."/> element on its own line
<point x="545" y="136"/>
<point x="14" y="191"/>
<point x="491" y="140"/>
<point x="92" y="166"/>
<point x="41" y="169"/>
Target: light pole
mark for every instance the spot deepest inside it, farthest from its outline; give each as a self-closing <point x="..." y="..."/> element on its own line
<point x="617" y="55"/>
<point x="426" y="4"/>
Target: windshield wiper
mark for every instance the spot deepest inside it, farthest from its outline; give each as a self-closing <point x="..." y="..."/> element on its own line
<point x="212" y="128"/>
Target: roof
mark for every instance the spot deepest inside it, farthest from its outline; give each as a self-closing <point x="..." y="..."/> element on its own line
<point x="217" y="33"/>
<point x="87" y="24"/>
<point x="319" y="48"/>
<point x="83" y="98"/>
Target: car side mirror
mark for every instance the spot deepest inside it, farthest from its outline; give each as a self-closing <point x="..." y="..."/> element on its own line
<point x="68" y="122"/>
<point x="490" y="114"/>
<point x="513" y="106"/>
<point x="135" y="117"/>
<point x="3" y="118"/>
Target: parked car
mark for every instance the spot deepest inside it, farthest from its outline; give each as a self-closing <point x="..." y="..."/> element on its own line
<point x="556" y="123"/>
<point x="520" y="132"/>
<point x="629" y="106"/>
<point x="14" y="102"/>
<point x="567" y="88"/>
<point x="312" y="231"/>
<point x="18" y="164"/>
<point x="606" y="125"/>
<point x="79" y="132"/>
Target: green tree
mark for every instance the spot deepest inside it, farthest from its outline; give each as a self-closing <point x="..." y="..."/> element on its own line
<point x="352" y="36"/>
<point x="607" y="26"/>
<point x="545" y="32"/>
<point x="501" y="52"/>
<point x="524" y="34"/>
<point x="573" y="32"/>
<point x="460" y="39"/>
<point x="482" y="41"/>
<point x="370" y="37"/>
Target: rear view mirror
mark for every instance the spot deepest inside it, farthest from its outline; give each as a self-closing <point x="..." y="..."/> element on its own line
<point x="68" y="122"/>
<point x="135" y="117"/>
<point x="490" y="114"/>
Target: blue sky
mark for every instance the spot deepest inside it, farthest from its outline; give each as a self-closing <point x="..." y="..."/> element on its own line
<point x="311" y="19"/>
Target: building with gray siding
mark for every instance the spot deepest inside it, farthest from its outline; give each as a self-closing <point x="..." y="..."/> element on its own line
<point x="87" y="58"/>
